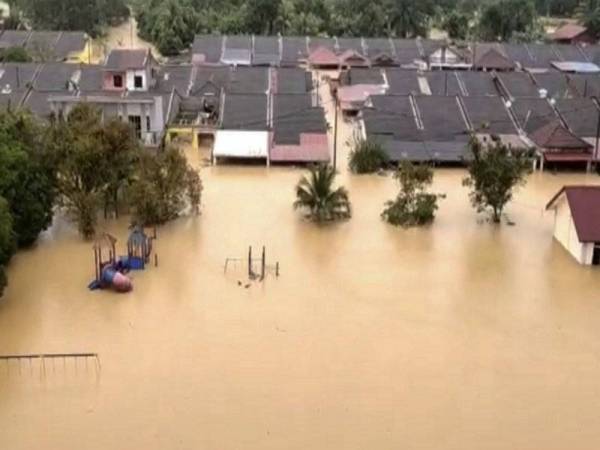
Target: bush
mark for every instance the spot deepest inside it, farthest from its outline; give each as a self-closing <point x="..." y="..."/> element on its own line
<point x="163" y="184"/>
<point x="367" y="156"/>
<point x="413" y="206"/>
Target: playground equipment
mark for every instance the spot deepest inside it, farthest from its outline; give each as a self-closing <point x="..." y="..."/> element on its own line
<point x="263" y="266"/>
<point x="52" y="358"/>
<point x="139" y="249"/>
<point x="110" y="274"/>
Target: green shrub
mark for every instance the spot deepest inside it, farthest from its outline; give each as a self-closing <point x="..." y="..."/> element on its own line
<point x="367" y="156"/>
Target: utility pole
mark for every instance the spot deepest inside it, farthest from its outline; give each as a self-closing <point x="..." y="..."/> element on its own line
<point x="597" y="138"/>
<point x="335" y="133"/>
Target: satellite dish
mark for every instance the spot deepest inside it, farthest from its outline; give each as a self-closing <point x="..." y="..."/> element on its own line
<point x="543" y="93"/>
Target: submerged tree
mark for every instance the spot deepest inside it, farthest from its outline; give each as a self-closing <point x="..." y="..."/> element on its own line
<point x="495" y="171"/>
<point x="92" y="160"/>
<point x="7" y="241"/>
<point x="413" y="206"/>
<point x="317" y="195"/>
<point x="27" y="180"/>
<point x="367" y="156"/>
<point x="163" y="184"/>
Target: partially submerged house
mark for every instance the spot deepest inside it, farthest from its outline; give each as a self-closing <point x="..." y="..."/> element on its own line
<point x="557" y="145"/>
<point x="124" y="88"/>
<point x="577" y="222"/>
<point x="299" y="130"/>
<point x="243" y="134"/>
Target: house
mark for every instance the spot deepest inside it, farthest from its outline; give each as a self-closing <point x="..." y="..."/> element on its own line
<point x="351" y="58"/>
<point x="323" y="58"/>
<point x="243" y="134"/>
<point x="488" y="57"/>
<point x="237" y="51"/>
<point x="558" y="145"/>
<point x="129" y="70"/>
<point x="448" y="57"/>
<point x="577" y="222"/>
<point x="299" y="130"/>
<point x="207" y="50"/>
<point x="74" y="47"/>
<point x="572" y="33"/>
<point x="125" y="89"/>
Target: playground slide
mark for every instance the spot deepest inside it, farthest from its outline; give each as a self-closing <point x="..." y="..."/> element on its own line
<point x="114" y="279"/>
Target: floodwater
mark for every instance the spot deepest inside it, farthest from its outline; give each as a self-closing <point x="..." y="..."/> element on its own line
<point x="462" y="335"/>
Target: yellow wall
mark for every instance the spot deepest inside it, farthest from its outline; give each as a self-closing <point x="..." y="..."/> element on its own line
<point x="83" y="57"/>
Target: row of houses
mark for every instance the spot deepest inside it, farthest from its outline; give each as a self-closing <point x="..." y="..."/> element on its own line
<point x="254" y="112"/>
<point x="429" y="116"/>
<point x="68" y="46"/>
<point x="327" y="53"/>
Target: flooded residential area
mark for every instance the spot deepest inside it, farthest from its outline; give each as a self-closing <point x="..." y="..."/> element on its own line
<point x="462" y="334"/>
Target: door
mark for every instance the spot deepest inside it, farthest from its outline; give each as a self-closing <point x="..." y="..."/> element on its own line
<point x="596" y="255"/>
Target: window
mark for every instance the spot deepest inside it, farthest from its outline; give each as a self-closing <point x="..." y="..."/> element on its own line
<point x="148" y="123"/>
<point x="118" y="81"/>
<point x="136" y="125"/>
<point x="138" y="82"/>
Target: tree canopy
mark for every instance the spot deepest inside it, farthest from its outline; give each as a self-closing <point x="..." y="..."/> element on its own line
<point x="495" y="170"/>
<point x="72" y="15"/>
<point x="413" y="206"/>
<point x="316" y="194"/>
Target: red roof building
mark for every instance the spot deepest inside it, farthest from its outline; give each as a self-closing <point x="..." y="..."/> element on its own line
<point x="323" y="58"/>
<point x="572" y="33"/>
<point x="559" y="145"/>
<point x="577" y="221"/>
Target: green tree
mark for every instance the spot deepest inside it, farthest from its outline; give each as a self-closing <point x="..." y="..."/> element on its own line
<point x="163" y="184"/>
<point x="7" y="241"/>
<point x="27" y="178"/>
<point x="317" y="195"/>
<point x="71" y="15"/>
<point x="15" y="55"/>
<point x="367" y="156"/>
<point x="495" y="170"/>
<point x="413" y="206"/>
<point x="504" y="18"/>
<point x="409" y="18"/>
<point x="457" y="24"/>
<point x="121" y="152"/>
<point x="588" y="14"/>
<point x="93" y="161"/>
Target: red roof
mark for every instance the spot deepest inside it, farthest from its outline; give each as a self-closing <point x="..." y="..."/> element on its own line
<point x="493" y="58"/>
<point x="554" y="135"/>
<point x="584" y="203"/>
<point x="353" y="58"/>
<point x="322" y="56"/>
<point x="313" y="147"/>
<point x="567" y="32"/>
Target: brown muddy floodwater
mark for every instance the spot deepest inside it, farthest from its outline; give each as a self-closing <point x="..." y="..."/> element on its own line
<point x="458" y="336"/>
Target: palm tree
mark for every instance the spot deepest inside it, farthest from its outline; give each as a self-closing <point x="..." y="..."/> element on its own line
<point x="316" y="194"/>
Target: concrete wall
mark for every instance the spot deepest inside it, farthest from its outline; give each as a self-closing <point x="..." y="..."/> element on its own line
<point x="130" y="83"/>
<point x="566" y="234"/>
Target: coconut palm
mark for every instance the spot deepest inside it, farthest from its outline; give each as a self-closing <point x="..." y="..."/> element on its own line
<point x="316" y="194"/>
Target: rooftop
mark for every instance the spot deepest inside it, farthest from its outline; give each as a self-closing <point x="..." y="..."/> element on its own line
<point x="584" y="203"/>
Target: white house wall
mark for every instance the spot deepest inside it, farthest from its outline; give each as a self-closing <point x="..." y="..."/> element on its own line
<point x="566" y="234"/>
<point x="130" y="80"/>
